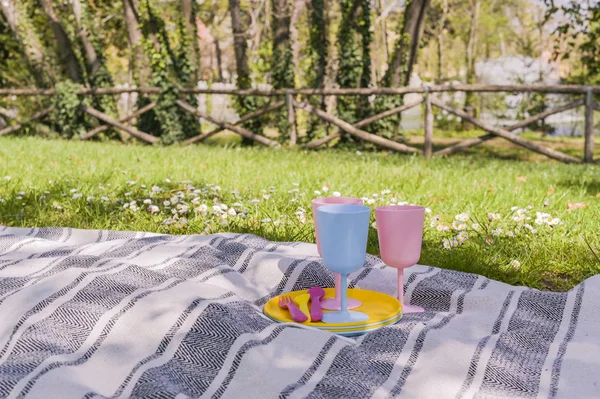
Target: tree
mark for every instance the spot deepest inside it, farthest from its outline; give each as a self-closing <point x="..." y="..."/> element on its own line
<point x="188" y="9"/>
<point x="26" y="36"/>
<point x="65" y="47"/>
<point x="578" y="36"/>
<point x="475" y="7"/>
<point x="404" y="56"/>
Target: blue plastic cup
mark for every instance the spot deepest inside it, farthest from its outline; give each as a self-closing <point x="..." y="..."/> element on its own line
<point x="343" y="231"/>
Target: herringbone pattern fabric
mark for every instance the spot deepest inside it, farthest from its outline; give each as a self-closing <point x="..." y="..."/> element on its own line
<point x="101" y="314"/>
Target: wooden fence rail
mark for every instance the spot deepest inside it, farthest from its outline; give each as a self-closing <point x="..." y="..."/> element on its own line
<point x="290" y="99"/>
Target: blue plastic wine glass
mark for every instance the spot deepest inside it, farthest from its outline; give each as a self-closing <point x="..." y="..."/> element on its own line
<point x="343" y="231"/>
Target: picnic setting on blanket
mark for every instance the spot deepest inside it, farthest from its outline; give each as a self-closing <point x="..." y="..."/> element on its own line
<point x="95" y="314"/>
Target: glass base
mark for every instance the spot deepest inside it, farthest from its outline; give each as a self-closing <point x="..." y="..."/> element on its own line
<point x="344" y="317"/>
<point x="333" y="304"/>
<point x="406" y="308"/>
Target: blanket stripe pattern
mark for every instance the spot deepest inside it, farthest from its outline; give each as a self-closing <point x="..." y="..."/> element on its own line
<point x="107" y="314"/>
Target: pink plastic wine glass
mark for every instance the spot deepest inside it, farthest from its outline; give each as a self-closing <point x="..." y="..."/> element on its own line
<point x="400" y="231"/>
<point x="334" y="303"/>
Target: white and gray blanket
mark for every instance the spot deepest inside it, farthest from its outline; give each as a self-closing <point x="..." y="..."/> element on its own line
<point x="90" y="314"/>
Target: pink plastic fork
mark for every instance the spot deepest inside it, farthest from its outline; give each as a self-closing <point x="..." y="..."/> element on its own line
<point x="285" y="302"/>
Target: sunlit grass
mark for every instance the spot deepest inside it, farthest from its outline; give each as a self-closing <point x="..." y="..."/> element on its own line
<point x="270" y="193"/>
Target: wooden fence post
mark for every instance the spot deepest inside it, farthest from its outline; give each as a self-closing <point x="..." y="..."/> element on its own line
<point x="588" y="155"/>
<point x="291" y="118"/>
<point x="428" y="146"/>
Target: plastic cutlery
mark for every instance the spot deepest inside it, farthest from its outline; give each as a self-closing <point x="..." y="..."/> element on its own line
<point x="316" y="312"/>
<point x="285" y="302"/>
<point x="302" y="302"/>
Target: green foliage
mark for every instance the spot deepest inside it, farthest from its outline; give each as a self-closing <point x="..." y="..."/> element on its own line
<point x="67" y="116"/>
<point x="354" y="41"/>
<point x="579" y="35"/>
<point x="168" y="121"/>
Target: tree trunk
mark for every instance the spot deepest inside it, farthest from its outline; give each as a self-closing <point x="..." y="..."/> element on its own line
<point x="219" y="59"/>
<point x="239" y="45"/>
<point x="137" y="64"/>
<point x="189" y="17"/>
<point x="282" y="75"/>
<point x="440" y="42"/>
<point x="90" y="51"/>
<point x="32" y="48"/>
<point x="407" y="45"/>
<point x="298" y="5"/>
<point x="65" y="47"/>
<point x="472" y="49"/>
<point x="319" y="41"/>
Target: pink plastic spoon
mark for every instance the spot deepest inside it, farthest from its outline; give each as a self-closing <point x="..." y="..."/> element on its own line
<point x="316" y="312"/>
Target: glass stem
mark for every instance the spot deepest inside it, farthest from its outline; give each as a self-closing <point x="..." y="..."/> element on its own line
<point x="344" y="293"/>
<point x="338" y="285"/>
<point x="401" y="286"/>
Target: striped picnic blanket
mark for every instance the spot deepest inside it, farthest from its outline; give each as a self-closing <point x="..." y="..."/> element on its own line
<point x="90" y="314"/>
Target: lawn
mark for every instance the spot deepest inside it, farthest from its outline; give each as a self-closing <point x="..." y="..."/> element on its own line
<point x="524" y="223"/>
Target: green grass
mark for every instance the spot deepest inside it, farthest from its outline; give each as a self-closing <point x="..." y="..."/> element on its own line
<point x="555" y="258"/>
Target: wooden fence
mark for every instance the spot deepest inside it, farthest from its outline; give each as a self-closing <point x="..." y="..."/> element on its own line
<point x="292" y="100"/>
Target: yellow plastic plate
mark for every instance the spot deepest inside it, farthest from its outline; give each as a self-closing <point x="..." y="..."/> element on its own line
<point x="382" y="309"/>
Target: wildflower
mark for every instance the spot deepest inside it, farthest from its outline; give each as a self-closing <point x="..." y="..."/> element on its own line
<point x="237" y="205"/>
<point x="7" y="178"/>
<point x="358" y="152"/>
<point x="403" y="203"/>
<point x="143" y="186"/>
<point x="223" y="219"/>
<point x="446" y="243"/>
<point x="46" y="192"/>
<point x="216" y="209"/>
<point x="128" y="194"/>
<point x="317" y="192"/>
<point x="530" y="228"/>
<point x="126" y="205"/>
<point x="153" y="209"/>
<point x="21" y="193"/>
<point x="167" y="180"/>
<point x="271" y="188"/>
<point x="510" y="234"/>
<point x="374" y="225"/>
<point x="254" y="201"/>
<point x="147" y="201"/>
<point x="554" y="221"/>
<point x="90" y="198"/>
<point x="216" y="188"/>
<point x="183" y="222"/>
<point x="202" y="208"/>
<point x="266" y="196"/>
<point x="182" y="208"/>
<point x="174" y="200"/>
<point x="494" y="216"/>
<point x="515" y="264"/>
<point x="223" y="207"/>
<point x="434" y="221"/>
<point x="497" y="232"/>
<point x="462" y="237"/>
<point x="489" y="240"/>
<point x="375" y="195"/>
<point x="77" y="195"/>
<point x="130" y="182"/>
<point x="324" y="189"/>
<point x="231" y="212"/>
<point x="18" y="197"/>
<point x="370" y="201"/>
<point x="104" y="199"/>
<point x="385" y="192"/>
<point x="73" y="190"/>
<point x="196" y="201"/>
<point x="427" y="210"/>
<point x="456" y="225"/>
<point x="168" y="221"/>
<point x="463" y="217"/>
<point x="156" y="189"/>
<point x="266" y="220"/>
<point x="174" y="212"/>
<point x="514" y="208"/>
<point x="42" y="197"/>
<point x="166" y="203"/>
<point x="56" y="205"/>
<point x="442" y="227"/>
<point x="301" y="216"/>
